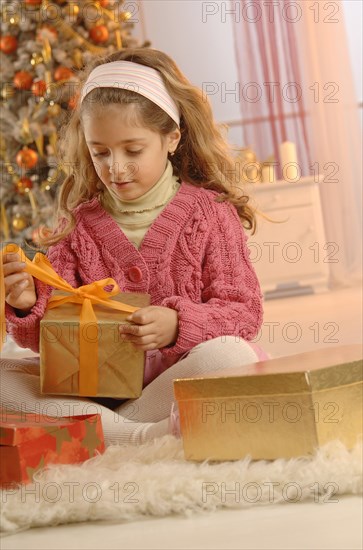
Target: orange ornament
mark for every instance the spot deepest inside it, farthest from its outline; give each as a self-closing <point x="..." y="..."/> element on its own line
<point x="23" y="80"/>
<point x="62" y="73"/>
<point x="8" y="44"/>
<point x="104" y="3"/>
<point x="39" y="88"/>
<point x="23" y="184"/>
<point x="99" y="34"/>
<point x="72" y="103"/>
<point x="33" y="2"/>
<point x="26" y="158"/>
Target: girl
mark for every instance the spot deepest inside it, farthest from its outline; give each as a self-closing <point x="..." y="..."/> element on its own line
<point x="151" y="201"/>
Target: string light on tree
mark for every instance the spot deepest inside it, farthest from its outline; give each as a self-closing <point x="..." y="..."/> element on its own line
<point x="23" y="185"/>
<point x="36" y="59"/>
<point x="72" y="10"/>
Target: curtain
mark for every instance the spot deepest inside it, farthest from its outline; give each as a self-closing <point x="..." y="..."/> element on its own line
<point x="336" y="135"/>
<point x="299" y="51"/>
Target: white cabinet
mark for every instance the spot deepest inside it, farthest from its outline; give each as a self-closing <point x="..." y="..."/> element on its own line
<point x="292" y="256"/>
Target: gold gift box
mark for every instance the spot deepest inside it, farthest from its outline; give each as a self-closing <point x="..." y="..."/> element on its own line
<point x="120" y="364"/>
<point x="280" y="408"/>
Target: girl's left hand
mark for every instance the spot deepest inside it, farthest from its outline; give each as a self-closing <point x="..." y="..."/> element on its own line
<point x="155" y="327"/>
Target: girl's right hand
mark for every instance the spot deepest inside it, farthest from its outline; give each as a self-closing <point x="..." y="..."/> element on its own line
<point x="19" y="285"/>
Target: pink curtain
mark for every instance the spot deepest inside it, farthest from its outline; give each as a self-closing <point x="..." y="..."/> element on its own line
<point x="336" y="134"/>
<point x="273" y="104"/>
<point x="300" y="50"/>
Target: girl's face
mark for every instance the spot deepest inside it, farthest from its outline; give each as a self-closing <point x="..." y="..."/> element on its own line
<point x="128" y="158"/>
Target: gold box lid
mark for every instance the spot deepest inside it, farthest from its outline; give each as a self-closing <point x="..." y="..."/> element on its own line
<point x="304" y="372"/>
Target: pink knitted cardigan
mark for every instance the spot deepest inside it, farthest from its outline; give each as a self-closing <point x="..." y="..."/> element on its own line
<point x="193" y="259"/>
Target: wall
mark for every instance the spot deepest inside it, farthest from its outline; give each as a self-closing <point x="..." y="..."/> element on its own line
<point x="201" y="44"/>
<point x="198" y="35"/>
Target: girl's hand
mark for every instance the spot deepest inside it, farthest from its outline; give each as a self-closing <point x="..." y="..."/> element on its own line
<point x="155" y="328"/>
<point x="19" y="286"/>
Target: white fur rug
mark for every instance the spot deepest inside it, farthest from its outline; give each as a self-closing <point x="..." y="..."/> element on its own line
<point x="127" y="483"/>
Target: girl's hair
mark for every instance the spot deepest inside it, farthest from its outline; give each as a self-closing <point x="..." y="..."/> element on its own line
<point x="203" y="157"/>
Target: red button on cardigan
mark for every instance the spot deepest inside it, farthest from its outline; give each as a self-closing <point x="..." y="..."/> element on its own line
<point x="135" y="274"/>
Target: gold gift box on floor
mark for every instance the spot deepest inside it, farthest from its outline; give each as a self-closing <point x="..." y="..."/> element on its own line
<point x="120" y="364"/>
<point x="280" y="408"/>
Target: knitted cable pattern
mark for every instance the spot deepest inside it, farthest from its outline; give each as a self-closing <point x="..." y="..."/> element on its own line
<point x="194" y="259"/>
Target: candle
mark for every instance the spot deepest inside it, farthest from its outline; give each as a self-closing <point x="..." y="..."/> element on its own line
<point x="289" y="164"/>
<point x="268" y="174"/>
<point x="253" y="172"/>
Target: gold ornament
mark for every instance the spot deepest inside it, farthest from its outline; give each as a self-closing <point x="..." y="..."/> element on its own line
<point x="48" y="83"/>
<point x="39" y="142"/>
<point x="8" y="15"/>
<point x="54" y="110"/>
<point x="53" y="139"/>
<point x="4" y="223"/>
<point x="118" y="39"/>
<point x="18" y="223"/>
<point x="253" y="170"/>
<point x="247" y="155"/>
<point x="25" y="133"/>
<point x="77" y="58"/>
<point x="46" y="51"/>
<point x="250" y="166"/>
<point x="125" y="16"/>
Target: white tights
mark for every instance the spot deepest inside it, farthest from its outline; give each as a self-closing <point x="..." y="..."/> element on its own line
<point x="136" y="420"/>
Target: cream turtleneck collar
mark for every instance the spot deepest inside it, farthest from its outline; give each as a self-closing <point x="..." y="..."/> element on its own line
<point x="135" y="216"/>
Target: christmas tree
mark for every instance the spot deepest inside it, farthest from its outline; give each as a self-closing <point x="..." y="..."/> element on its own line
<point x="43" y="44"/>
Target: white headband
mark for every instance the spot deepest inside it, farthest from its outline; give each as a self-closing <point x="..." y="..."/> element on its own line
<point x="137" y="78"/>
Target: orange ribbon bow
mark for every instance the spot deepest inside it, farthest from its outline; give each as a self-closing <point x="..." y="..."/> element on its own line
<point x="87" y="295"/>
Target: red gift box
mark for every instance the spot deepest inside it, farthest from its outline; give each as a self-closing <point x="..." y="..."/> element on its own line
<point x="28" y="442"/>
